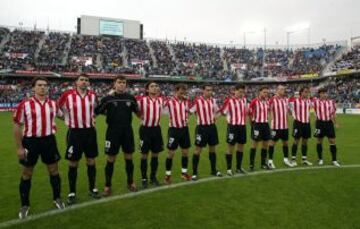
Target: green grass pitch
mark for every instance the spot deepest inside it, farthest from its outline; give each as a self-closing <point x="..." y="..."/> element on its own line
<point x="326" y="198"/>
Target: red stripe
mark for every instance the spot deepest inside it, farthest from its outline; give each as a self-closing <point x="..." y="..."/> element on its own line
<point x="91" y="99"/>
<point x="76" y="123"/>
<point x="33" y="117"/>
<point x="43" y="120"/>
<point x="83" y="111"/>
<point x="53" y="112"/>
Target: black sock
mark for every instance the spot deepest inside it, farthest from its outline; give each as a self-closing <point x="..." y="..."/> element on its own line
<point x="72" y="175"/>
<point x="252" y="156"/>
<point x="228" y="161"/>
<point x="24" y="189"/>
<point x="333" y="152"/>
<point x="129" y="167"/>
<point x="154" y="165"/>
<point x="168" y="164"/>
<point x="319" y="150"/>
<point x="91" y="172"/>
<point x="56" y="185"/>
<point x="263" y="156"/>
<point x="304" y="150"/>
<point x="239" y="157"/>
<point x="195" y="161"/>
<point x="184" y="162"/>
<point x="143" y="167"/>
<point x="294" y="150"/>
<point x="286" y="151"/>
<point x="271" y="152"/>
<point x="109" y="170"/>
<point x="212" y="158"/>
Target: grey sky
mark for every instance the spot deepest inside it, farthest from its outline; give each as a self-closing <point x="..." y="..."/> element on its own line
<point x="215" y="21"/>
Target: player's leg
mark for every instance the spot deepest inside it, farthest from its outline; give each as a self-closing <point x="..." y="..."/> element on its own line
<point x="184" y="164"/>
<point x="72" y="177"/>
<point x="195" y="161"/>
<point x="319" y="150"/>
<point x="306" y="134"/>
<point x="129" y="168"/>
<point x="272" y="144"/>
<point x="168" y="166"/>
<point x="254" y="144"/>
<point x="109" y="170"/>
<point x="156" y="146"/>
<point x="90" y="147"/>
<point x="145" y="149"/>
<point x="128" y="147"/>
<point x="212" y="158"/>
<point x="154" y="164"/>
<point x="200" y="142"/>
<point x="264" y="147"/>
<point x="55" y="182"/>
<point x="333" y="149"/>
<point x="228" y="157"/>
<point x="297" y="132"/>
<point x="91" y="172"/>
<point x="172" y="145"/>
<point x="304" y="148"/>
<point x="24" y="190"/>
<point x="112" y="147"/>
<point x="231" y="141"/>
<point x="239" y="158"/>
<point x="285" y="149"/>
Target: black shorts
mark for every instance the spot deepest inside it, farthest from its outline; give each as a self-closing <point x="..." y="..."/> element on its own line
<point x="46" y="147"/>
<point x="301" y="130"/>
<point x="324" y="129"/>
<point x="206" y="135"/>
<point x="151" y="139"/>
<point x="115" y="139"/>
<point x="236" y="134"/>
<point x="81" y="141"/>
<point x="260" y="132"/>
<point x="178" y="137"/>
<point x="280" y="134"/>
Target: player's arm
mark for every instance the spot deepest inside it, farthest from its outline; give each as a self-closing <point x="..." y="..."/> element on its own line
<point x="135" y="107"/>
<point x="139" y="100"/>
<point x="223" y="109"/>
<point x="192" y="109"/>
<point x="334" y="115"/>
<point x="101" y="107"/>
<point x="252" y="111"/>
<point x="18" y="119"/>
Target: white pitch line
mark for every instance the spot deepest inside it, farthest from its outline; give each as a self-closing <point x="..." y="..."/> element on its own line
<point x="151" y="190"/>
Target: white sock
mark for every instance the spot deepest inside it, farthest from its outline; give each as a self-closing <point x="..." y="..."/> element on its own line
<point x="168" y="173"/>
<point x="183" y="170"/>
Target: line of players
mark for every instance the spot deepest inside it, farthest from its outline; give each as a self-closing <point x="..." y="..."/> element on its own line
<point x="34" y="131"/>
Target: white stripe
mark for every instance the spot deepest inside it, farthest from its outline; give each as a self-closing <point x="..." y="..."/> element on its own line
<point x="152" y="190"/>
<point x="48" y="121"/>
<point x="38" y="119"/>
<point x="27" y="109"/>
<point x="79" y="112"/>
<point x="87" y="111"/>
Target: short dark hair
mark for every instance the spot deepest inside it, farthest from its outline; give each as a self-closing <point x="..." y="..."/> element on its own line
<point x="263" y="88"/>
<point x="82" y="75"/>
<point x="180" y="86"/>
<point x="322" y="90"/>
<point x="38" y="78"/>
<point x="239" y="86"/>
<point x="205" y="85"/>
<point x="119" y="77"/>
<point x="303" y="89"/>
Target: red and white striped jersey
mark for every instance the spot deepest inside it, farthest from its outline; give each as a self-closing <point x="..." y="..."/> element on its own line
<point x="235" y="110"/>
<point x="325" y="109"/>
<point x="205" y="110"/>
<point x="150" y="110"/>
<point x="259" y="110"/>
<point x="300" y="108"/>
<point x="279" y="108"/>
<point x="178" y="111"/>
<point x="78" y="110"/>
<point x="38" y="117"/>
